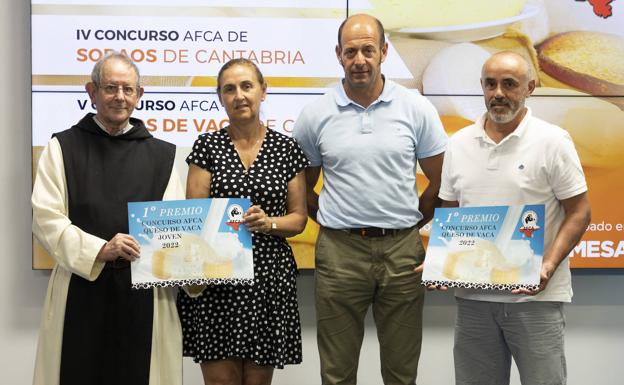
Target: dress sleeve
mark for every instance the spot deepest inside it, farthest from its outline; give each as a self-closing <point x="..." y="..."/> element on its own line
<point x="297" y="160"/>
<point x="73" y="249"/>
<point x="200" y="153"/>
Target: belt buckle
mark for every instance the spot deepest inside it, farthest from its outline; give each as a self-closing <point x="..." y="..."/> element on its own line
<point x="371" y="232"/>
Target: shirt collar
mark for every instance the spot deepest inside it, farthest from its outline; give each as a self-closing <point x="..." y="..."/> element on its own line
<point x="387" y="95"/>
<point x="479" y="131"/>
<point x="121" y="132"/>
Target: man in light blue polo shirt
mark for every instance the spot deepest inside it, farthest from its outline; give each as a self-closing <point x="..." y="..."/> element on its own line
<point x="367" y="135"/>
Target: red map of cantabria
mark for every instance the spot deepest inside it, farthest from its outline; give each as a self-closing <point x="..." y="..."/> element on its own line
<point x="602" y="8"/>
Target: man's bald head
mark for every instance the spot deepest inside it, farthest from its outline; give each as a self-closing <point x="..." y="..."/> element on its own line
<point x="366" y="19"/>
<point x="510" y="61"/>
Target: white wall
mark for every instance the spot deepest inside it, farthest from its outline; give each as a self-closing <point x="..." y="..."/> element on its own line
<point x="595" y="337"/>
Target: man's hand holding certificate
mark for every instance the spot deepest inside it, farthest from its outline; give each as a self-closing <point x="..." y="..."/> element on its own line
<point x="194" y="241"/>
<point x="496" y="247"/>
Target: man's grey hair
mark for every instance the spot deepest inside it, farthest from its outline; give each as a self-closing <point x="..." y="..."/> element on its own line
<point x="96" y="74"/>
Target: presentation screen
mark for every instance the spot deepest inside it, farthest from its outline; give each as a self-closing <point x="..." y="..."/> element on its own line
<point x="435" y="48"/>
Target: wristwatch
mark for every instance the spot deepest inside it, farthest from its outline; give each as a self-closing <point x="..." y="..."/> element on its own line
<point x="273" y="225"/>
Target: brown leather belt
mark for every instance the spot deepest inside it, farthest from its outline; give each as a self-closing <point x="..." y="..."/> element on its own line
<point x="373" y="232"/>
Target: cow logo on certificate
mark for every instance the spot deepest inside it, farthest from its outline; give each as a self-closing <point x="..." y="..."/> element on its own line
<point x="235" y="216"/>
<point x="529" y="223"/>
<point x="193" y="241"/>
<point x="494" y="247"/>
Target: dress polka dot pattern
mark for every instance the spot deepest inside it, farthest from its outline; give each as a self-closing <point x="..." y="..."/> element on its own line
<point x="259" y="322"/>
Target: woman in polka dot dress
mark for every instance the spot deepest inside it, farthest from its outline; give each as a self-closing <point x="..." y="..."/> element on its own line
<point x="239" y="333"/>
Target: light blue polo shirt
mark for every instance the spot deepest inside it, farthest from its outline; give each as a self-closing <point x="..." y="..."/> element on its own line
<point x="368" y="155"/>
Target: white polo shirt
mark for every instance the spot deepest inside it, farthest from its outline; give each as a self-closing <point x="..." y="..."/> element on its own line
<point x="535" y="164"/>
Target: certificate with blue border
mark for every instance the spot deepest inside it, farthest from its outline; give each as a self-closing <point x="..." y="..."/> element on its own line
<point x="491" y="247"/>
<point x="193" y="241"/>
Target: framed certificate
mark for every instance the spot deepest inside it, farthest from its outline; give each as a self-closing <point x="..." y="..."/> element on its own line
<point x="494" y="247"/>
<point x="193" y="241"/>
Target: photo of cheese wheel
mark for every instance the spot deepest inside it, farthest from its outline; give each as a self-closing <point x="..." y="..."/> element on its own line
<point x="187" y="260"/>
<point x="452" y="82"/>
<point x="482" y="262"/>
<point x="195" y="258"/>
<point x="592" y="62"/>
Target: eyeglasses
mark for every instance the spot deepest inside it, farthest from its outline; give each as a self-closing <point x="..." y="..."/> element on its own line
<point x="113" y="89"/>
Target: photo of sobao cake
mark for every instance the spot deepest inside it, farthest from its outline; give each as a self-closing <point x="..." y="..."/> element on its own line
<point x="483" y="262"/>
<point x="588" y="61"/>
<point x="195" y="258"/>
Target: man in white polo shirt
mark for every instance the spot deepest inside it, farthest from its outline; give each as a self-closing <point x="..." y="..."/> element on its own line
<point x="368" y="134"/>
<point x="509" y="157"/>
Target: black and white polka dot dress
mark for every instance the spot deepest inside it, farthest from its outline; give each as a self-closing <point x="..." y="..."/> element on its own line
<point x="259" y="322"/>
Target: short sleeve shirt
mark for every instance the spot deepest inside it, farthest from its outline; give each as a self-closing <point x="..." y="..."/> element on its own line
<point x="536" y="164"/>
<point x="369" y="155"/>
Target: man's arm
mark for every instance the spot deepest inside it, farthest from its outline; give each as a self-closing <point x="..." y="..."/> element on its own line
<point x="124" y="245"/>
<point x="449" y="204"/>
<point x="311" y="176"/>
<point x="306" y="135"/>
<point x="577" y="218"/>
<point x="72" y="248"/>
<point x="428" y="201"/>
